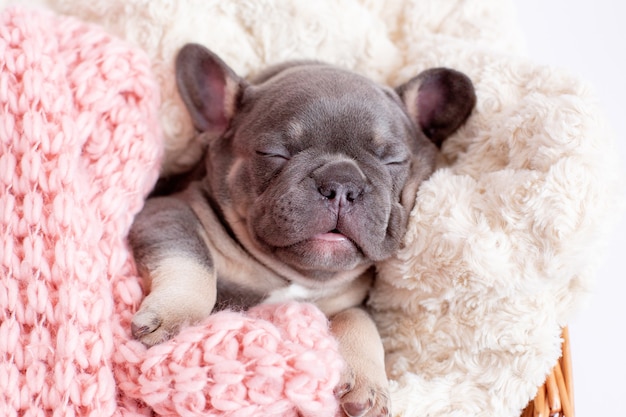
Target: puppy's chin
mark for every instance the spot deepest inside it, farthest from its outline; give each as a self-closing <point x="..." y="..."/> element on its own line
<point x="325" y="252"/>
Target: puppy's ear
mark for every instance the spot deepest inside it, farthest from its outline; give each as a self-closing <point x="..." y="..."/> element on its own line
<point x="439" y="100"/>
<point x="208" y="87"/>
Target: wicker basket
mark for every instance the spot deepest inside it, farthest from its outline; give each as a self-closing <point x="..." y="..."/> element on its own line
<point x="556" y="396"/>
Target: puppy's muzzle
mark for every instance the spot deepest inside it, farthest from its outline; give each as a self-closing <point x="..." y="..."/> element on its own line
<point x="342" y="184"/>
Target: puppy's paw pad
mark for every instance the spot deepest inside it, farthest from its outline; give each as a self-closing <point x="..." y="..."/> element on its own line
<point x="357" y="409"/>
<point x="376" y="406"/>
<point x="361" y="397"/>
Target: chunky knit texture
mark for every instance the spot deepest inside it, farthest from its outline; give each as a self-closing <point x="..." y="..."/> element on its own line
<point x="80" y="146"/>
<point x="77" y="154"/>
<point x="278" y="360"/>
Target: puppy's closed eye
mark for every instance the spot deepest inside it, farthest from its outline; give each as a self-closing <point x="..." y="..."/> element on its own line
<point x="393" y="155"/>
<point x="274" y="153"/>
<point x="396" y="160"/>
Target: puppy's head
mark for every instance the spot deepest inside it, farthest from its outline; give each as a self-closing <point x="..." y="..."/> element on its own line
<point x="316" y="168"/>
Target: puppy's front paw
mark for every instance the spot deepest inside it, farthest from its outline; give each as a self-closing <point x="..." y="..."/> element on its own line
<point x="363" y="395"/>
<point x="163" y="314"/>
<point x="150" y="328"/>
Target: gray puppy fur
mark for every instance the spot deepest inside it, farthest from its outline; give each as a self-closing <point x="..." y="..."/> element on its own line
<point x="309" y="175"/>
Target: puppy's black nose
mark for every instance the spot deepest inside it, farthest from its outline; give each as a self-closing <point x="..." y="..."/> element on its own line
<point x="342" y="183"/>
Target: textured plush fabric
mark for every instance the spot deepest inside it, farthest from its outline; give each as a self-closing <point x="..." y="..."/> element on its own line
<point x="506" y="235"/>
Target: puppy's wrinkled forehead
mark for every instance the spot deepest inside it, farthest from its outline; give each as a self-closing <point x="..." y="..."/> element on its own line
<point x="328" y="101"/>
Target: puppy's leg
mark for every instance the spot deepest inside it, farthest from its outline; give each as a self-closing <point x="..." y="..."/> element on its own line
<point x="363" y="389"/>
<point x="176" y="265"/>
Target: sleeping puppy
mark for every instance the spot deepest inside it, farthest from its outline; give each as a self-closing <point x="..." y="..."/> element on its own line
<point x="309" y="175"/>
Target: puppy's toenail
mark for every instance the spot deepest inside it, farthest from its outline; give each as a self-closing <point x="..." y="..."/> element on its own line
<point x="139" y="331"/>
<point x="340" y="391"/>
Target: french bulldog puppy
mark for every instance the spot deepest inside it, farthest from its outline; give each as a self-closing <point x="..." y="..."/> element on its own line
<point x="309" y="175"/>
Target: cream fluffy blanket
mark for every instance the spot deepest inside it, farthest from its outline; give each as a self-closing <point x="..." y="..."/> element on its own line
<point x="502" y="244"/>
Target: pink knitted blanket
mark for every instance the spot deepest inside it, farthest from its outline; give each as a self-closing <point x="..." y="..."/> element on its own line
<point x="79" y="150"/>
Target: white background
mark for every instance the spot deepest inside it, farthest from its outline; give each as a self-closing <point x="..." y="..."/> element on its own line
<point x="588" y="38"/>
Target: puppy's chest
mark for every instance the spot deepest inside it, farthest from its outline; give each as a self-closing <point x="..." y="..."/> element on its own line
<point x="251" y="286"/>
<point x="245" y="292"/>
<point x="294" y="292"/>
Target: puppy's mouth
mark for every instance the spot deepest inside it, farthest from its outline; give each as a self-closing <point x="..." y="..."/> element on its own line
<point x="331" y="242"/>
<point x="332" y="236"/>
<point x="328" y="251"/>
